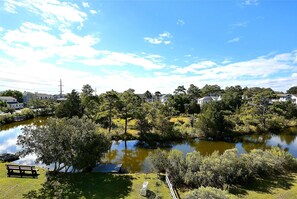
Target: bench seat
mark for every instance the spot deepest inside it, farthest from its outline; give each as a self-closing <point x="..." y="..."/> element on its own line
<point x="21" y="170"/>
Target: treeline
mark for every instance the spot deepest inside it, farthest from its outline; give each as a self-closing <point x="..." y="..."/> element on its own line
<point x="178" y="115"/>
<point x="240" y="110"/>
<point x="220" y="171"/>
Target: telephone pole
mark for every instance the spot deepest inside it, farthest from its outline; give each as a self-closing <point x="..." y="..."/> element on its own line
<point x="61" y="91"/>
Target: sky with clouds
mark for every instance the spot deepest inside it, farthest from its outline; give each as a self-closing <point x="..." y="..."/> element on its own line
<point x="147" y="45"/>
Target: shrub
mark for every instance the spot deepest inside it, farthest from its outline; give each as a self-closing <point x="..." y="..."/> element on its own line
<point x="207" y="192"/>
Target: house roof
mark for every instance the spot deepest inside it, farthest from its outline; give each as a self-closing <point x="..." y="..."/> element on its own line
<point x="7" y="98"/>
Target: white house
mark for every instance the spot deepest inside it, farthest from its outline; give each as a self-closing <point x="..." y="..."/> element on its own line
<point x="12" y="102"/>
<point x="294" y="99"/>
<point x="286" y="98"/>
<point x="207" y="99"/>
<point x="164" y="99"/>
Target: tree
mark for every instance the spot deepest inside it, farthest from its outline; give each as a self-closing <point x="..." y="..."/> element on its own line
<point x="65" y="142"/>
<point x="292" y="90"/>
<point x="89" y="102"/>
<point x="107" y="109"/>
<point x="70" y="107"/>
<point x="261" y="103"/>
<point x="193" y="92"/>
<point x="180" y="90"/>
<point x="129" y="105"/>
<point x="211" y="121"/>
<point x="148" y="95"/>
<point x="13" y="93"/>
<point x="158" y="95"/>
<point x="232" y="97"/>
<point x="211" y="90"/>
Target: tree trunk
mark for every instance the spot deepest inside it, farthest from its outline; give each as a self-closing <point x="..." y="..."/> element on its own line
<point x="109" y="128"/>
<point x="126" y="124"/>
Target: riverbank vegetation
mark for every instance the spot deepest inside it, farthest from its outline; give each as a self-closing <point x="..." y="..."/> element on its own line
<point x="168" y="117"/>
<point x="231" y="111"/>
<point x="222" y="171"/>
<point x="70" y="144"/>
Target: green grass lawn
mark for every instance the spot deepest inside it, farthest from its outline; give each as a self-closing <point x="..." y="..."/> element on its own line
<point x="284" y="187"/>
<point x="15" y="187"/>
<point x="81" y="185"/>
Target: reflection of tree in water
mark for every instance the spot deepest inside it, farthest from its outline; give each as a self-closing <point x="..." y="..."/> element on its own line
<point x="133" y="160"/>
<point x="208" y="147"/>
<point x="287" y="138"/>
<point x="111" y="155"/>
<point x="256" y="142"/>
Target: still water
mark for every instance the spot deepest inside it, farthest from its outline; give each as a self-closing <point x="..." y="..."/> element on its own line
<point x="133" y="154"/>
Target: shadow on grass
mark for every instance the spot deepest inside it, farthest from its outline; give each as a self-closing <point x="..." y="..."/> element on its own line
<point x="87" y="185"/>
<point x="264" y="185"/>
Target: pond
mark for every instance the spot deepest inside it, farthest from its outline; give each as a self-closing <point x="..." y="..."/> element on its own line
<point x="133" y="154"/>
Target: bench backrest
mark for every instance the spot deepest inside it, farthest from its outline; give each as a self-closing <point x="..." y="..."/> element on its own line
<point x="20" y="167"/>
<point x="10" y="166"/>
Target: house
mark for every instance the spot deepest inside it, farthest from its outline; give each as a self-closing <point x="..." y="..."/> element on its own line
<point x="294" y="99"/>
<point x="12" y="102"/>
<point x="207" y="99"/>
<point x="286" y="98"/>
<point x="164" y="98"/>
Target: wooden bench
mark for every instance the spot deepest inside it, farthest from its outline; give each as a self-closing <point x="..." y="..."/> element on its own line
<point x="21" y="170"/>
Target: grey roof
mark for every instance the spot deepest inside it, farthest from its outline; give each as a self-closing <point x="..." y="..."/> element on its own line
<point x="7" y="98"/>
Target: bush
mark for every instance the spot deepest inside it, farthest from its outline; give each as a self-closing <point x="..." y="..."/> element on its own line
<point x="216" y="170"/>
<point x="207" y="193"/>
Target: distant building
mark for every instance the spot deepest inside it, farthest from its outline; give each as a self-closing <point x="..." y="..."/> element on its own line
<point x="164" y="98"/>
<point x="28" y="96"/>
<point x="294" y="99"/>
<point x="285" y="98"/>
<point x="206" y="99"/>
<point x="12" y="102"/>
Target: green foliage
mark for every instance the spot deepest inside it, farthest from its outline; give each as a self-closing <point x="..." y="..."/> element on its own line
<point x="6" y="119"/>
<point x="292" y="90"/>
<point x="71" y="107"/>
<point x="232" y="98"/>
<point x="89" y="102"/>
<point x="211" y="121"/>
<point x="211" y="90"/>
<point x="193" y="92"/>
<point x="216" y="170"/>
<point x="129" y="105"/>
<point x="108" y="108"/>
<point x="13" y="93"/>
<point x="159" y="160"/>
<point x="65" y="142"/>
<point x="207" y="192"/>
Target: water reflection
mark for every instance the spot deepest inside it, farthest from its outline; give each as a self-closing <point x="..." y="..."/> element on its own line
<point x="134" y="154"/>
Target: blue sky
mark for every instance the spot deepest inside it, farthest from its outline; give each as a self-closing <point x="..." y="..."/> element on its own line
<point x="147" y="45"/>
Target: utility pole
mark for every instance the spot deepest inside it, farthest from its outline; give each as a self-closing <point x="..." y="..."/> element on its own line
<point x="61" y="91"/>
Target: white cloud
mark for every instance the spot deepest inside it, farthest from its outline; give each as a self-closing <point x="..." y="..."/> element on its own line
<point x="261" y="71"/>
<point x="93" y="12"/>
<point x="242" y="24"/>
<point x="1" y="29"/>
<point x="250" y="2"/>
<point x="234" y="40"/>
<point x="162" y="38"/>
<point x="124" y="59"/>
<point x="180" y="22"/>
<point x="51" y="11"/>
<point x="194" y="67"/>
<point x="85" y="4"/>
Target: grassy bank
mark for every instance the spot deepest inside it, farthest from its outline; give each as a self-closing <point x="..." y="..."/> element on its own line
<point x="82" y="185"/>
<point x="272" y="187"/>
<point x="15" y="187"/>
